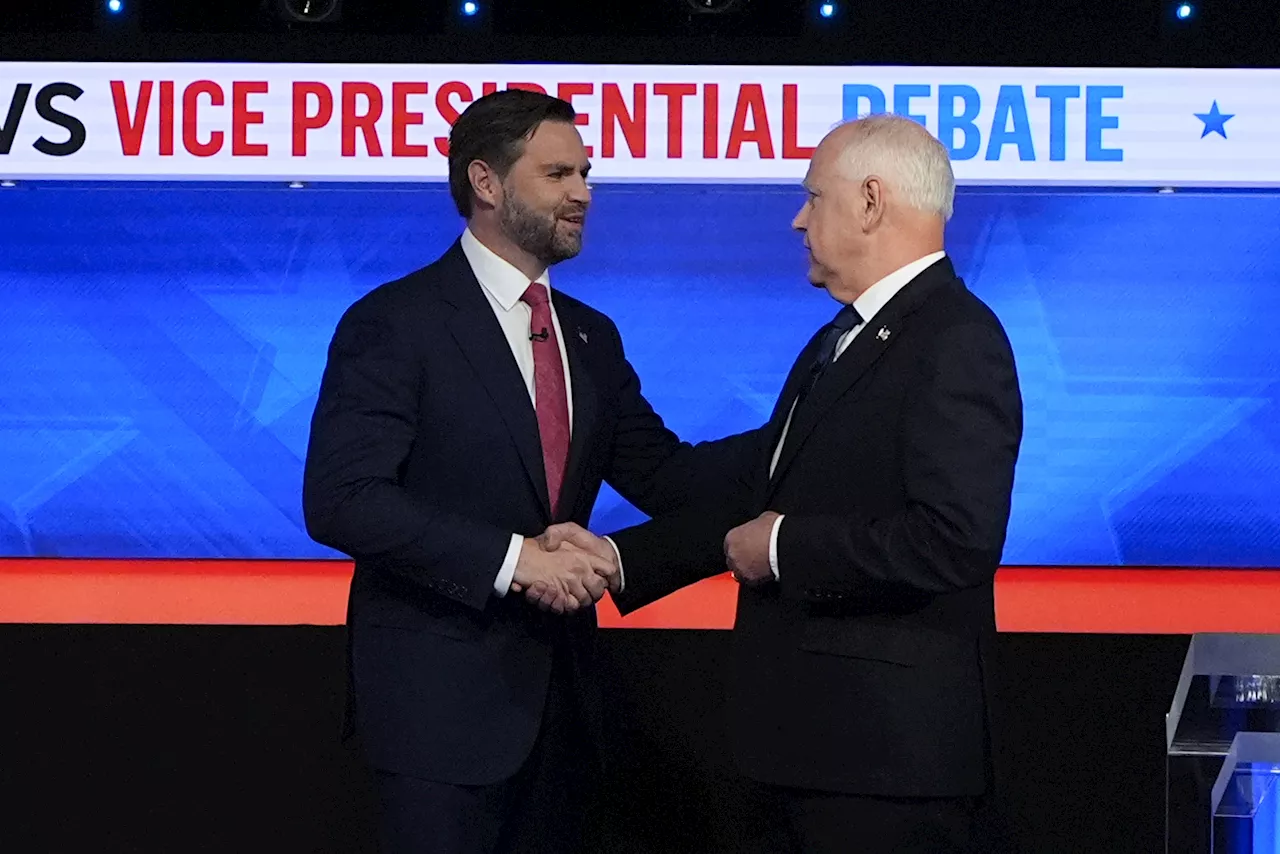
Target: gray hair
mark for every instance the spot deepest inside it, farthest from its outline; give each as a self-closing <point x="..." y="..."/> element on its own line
<point x="906" y="156"/>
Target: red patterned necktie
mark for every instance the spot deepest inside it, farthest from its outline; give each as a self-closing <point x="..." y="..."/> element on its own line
<point x="549" y="391"/>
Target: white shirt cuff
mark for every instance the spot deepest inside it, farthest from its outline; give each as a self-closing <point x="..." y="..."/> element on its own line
<point x="508" y="571"/>
<point x="773" y="546"/>
<point x="622" y="579"/>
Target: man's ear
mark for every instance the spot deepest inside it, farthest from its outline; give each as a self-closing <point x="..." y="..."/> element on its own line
<point x="872" y="194"/>
<point x="484" y="183"/>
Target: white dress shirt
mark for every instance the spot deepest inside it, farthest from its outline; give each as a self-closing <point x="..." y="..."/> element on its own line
<point x="503" y="286"/>
<point x="872" y="300"/>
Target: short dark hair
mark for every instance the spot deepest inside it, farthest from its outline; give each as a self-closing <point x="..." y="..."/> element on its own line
<point x="494" y="129"/>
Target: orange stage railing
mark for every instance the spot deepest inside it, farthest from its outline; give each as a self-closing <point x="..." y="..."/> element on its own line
<point x="1028" y="599"/>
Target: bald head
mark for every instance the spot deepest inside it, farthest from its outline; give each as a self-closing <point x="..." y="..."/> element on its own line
<point x="880" y="191"/>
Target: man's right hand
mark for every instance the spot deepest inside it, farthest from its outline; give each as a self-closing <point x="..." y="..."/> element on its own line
<point x="574" y="535"/>
<point x="562" y="580"/>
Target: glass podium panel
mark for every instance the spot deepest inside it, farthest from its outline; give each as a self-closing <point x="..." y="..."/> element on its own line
<point x="1230" y="684"/>
<point x="1246" y="817"/>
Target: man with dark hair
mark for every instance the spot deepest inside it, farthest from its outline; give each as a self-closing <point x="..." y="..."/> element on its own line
<point x="493" y="130"/>
<point x="464" y="409"/>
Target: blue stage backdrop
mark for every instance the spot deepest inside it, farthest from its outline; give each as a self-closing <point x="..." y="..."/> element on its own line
<point x="161" y="348"/>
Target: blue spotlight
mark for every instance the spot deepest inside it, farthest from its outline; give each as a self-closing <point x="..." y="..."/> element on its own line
<point x="115" y="7"/>
<point x="827" y="10"/>
<point x="470" y="8"/>
<point x="1184" y="11"/>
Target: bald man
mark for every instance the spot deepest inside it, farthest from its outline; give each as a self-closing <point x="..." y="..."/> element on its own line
<point x="867" y="526"/>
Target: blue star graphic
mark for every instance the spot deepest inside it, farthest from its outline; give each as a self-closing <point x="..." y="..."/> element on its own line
<point x="1214" y="121"/>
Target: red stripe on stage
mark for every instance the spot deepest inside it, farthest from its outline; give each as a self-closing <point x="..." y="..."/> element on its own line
<point x="1137" y="600"/>
<point x="1028" y="599"/>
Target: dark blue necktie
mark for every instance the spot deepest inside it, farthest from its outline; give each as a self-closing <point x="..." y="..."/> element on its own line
<point x="847" y="318"/>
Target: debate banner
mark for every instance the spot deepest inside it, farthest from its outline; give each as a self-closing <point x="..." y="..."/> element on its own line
<point x="1003" y="126"/>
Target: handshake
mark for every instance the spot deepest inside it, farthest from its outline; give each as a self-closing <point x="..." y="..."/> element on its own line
<point x="566" y="568"/>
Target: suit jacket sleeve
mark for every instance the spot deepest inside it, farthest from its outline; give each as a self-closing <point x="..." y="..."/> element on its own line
<point x="681" y="548"/>
<point x="698" y="492"/>
<point x="649" y="465"/>
<point x="364" y="425"/>
<point x="670" y="552"/>
<point x="962" y="432"/>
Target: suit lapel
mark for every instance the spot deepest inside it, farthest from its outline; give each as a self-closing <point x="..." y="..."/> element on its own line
<point x="871" y="342"/>
<point x="482" y="341"/>
<point x="579" y="344"/>
<point x="790" y="390"/>
<point x="863" y="352"/>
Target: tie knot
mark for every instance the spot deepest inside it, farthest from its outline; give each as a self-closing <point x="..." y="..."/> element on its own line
<point x="846" y="319"/>
<point x="535" y="295"/>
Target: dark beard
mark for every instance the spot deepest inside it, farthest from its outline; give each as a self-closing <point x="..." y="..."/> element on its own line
<point x="536" y="233"/>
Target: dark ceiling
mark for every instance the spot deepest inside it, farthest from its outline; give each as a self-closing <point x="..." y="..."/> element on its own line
<point x="1222" y="33"/>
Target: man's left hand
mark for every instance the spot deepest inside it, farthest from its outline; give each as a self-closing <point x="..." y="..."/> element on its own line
<point x="746" y="550"/>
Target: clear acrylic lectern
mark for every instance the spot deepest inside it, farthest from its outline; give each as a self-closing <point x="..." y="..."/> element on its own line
<point x="1245" y="815"/>
<point x="1230" y="684"/>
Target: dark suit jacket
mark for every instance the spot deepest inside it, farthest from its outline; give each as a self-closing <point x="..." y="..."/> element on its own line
<point x="862" y="670"/>
<point x="424" y="459"/>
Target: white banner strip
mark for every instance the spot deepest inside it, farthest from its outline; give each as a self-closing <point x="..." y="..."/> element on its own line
<point x="736" y="124"/>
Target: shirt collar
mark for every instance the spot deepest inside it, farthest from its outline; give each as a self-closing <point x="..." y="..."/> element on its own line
<point x="503" y="282"/>
<point x="878" y="295"/>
